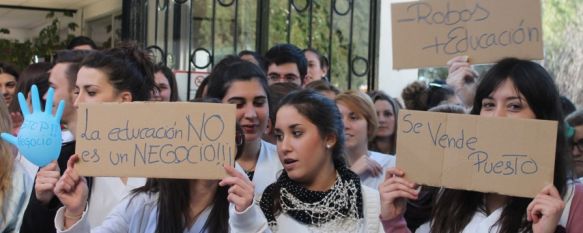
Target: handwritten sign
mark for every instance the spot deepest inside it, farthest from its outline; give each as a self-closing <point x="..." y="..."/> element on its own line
<point x="429" y="33"/>
<point x="508" y="156"/>
<point x="162" y="140"/>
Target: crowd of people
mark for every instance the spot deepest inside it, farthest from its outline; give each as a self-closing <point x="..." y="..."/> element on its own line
<point x="310" y="157"/>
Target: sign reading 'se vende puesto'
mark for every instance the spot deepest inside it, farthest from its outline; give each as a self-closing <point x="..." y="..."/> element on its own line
<point x="161" y="140"/>
<point x="488" y="154"/>
<point x="428" y="33"/>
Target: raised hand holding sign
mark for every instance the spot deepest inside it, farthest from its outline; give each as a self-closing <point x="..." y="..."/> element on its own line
<point x="39" y="139"/>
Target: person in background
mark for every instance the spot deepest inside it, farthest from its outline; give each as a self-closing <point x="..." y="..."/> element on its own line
<point x="512" y="88"/>
<point x="387" y="109"/>
<point x="121" y="74"/>
<point x="286" y="63"/>
<point x="317" y="69"/>
<point x="276" y="92"/>
<point x="81" y="43"/>
<point x="34" y="74"/>
<point x="323" y="87"/>
<point x="575" y="120"/>
<point x="253" y="57"/>
<point x="15" y="186"/>
<point x="243" y="84"/>
<point x="360" y="126"/>
<point x="8" y="81"/>
<point x="167" y="89"/>
<point x="43" y="203"/>
<point x="421" y="96"/>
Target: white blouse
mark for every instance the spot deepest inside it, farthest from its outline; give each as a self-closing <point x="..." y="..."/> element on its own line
<point x="106" y="194"/>
<point x="267" y="169"/>
<point x="386" y="161"/>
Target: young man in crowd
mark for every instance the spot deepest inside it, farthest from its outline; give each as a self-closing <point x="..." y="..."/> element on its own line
<point x="286" y="63"/>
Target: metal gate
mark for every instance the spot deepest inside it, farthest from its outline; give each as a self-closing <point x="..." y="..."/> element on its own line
<point x="193" y="35"/>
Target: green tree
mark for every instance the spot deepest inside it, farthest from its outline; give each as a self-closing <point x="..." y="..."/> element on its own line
<point x="563" y="36"/>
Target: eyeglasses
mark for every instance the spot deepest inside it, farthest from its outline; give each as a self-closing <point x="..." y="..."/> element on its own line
<point x="578" y="144"/>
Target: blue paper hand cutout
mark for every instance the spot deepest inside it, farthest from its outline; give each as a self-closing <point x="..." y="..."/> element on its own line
<point x="39" y="139"/>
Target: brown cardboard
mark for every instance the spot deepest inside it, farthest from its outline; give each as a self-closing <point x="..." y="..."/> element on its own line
<point x="495" y="24"/>
<point x="207" y="130"/>
<point x="525" y="142"/>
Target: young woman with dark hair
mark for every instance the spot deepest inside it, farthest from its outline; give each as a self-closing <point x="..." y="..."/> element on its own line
<point x="517" y="89"/>
<point x="167" y="89"/>
<point x="316" y="191"/>
<point x="8" y="79"/>
<point x="387" y="109"/>
<point x="122" y="74"/>
<point x="244" y="84"/>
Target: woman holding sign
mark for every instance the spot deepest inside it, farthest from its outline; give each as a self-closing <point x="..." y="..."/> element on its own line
<point x="122" y="74"/>
<point x="166" y="205"/>
<point x="518" y="89"/>
<point x="360" y="126"/>
<point x="244" y="84"/>
<point x="316" y="191"/>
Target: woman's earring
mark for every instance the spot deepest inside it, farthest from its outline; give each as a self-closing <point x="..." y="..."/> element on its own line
<point x="328" y="146"/>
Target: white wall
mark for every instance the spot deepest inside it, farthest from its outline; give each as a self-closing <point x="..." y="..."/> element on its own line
<point x="100" y="9"/>
<point x="23" y="34"/>
<point x="390" y="81"/>
<point x="17" y="34"/>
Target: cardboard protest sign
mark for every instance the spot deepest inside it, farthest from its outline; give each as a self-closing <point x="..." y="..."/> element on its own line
<point x="162" y="140"/>
<point x="429" y="33"/>
<point x="488" y="154"/>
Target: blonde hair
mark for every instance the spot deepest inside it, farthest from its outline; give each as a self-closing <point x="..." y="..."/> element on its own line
<point x="361" y="104"/>
<point x="6" y="159"/>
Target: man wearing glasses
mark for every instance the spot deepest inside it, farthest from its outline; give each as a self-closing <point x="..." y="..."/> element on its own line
<point x="575" y="120"/>
<point x="286" y="63"/>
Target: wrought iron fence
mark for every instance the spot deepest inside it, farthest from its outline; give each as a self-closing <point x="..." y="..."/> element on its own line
<point x="193" y="35"/>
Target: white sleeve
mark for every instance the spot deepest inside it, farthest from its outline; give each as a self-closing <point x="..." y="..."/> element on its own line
<point x="118" y="221"/>
<point x="250" y="220"/>
<point x="80" y="226"/>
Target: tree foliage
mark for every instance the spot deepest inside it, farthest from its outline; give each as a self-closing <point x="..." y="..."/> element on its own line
<point x="329" y="38"/>
<point x="563" y="27"/>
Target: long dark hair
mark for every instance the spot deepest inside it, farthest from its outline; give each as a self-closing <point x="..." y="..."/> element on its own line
<point x="174" y="197"/>
<point x="323" y="113"/>
<point x="536" y="85"/>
